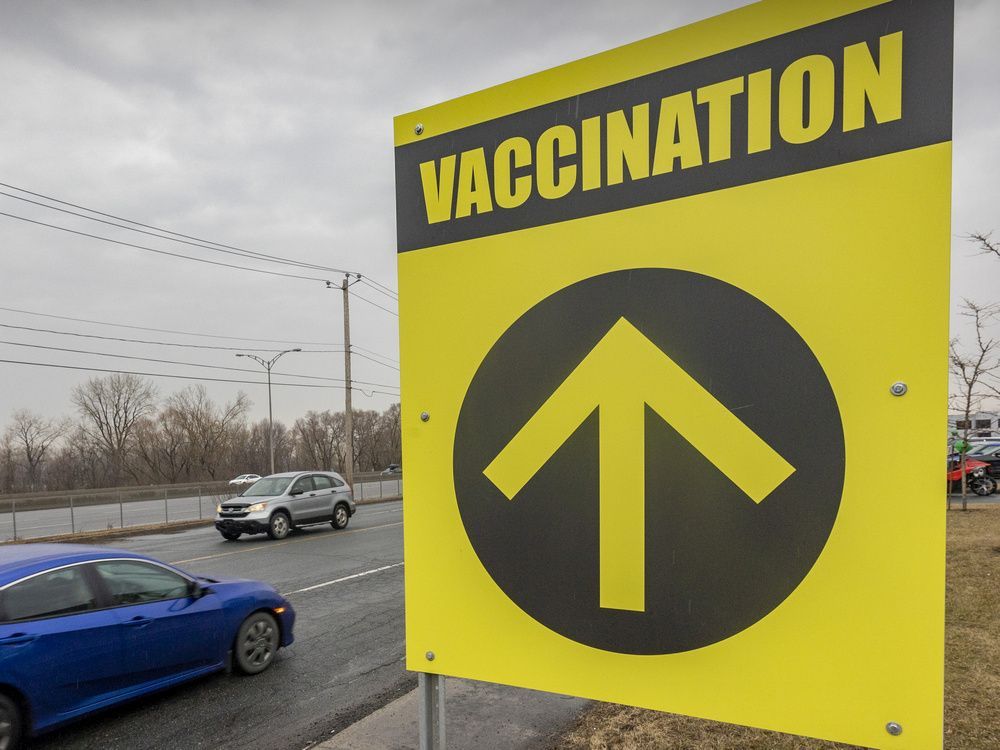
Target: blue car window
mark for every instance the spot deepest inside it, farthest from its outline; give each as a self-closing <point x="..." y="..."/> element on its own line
<point x="59" y="592"/>
<point x="136" y="582"/>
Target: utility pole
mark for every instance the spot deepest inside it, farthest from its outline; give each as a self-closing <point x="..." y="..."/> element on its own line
<point x="348" y="413"/>
<point x="267" y="364"/>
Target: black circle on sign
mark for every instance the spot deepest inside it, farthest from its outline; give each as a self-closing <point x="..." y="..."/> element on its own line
<point x="716" y="562"/>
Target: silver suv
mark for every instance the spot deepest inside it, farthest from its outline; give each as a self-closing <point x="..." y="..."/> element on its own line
<point x="281" y="502"/>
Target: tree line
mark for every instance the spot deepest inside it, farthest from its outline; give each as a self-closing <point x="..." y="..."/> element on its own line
<point x="123" y="434"/>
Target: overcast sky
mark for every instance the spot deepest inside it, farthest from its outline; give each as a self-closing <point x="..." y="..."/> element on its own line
<point x="268" y="126"/>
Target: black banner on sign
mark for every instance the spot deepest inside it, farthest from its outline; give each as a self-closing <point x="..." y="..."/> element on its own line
<point x="871" y="83"/>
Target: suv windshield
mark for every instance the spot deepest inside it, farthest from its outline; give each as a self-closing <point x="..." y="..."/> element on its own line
<point x="267" y="487"/>
<point x="988" y="448"/>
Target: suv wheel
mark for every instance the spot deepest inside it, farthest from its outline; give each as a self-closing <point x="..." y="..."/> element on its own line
<point x="256" y="643"/>
<point x="280" y="526"/>
<point x="340" y="517"/>
<point x="10" y="723"/>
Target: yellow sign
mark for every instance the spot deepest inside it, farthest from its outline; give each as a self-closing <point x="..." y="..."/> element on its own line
<point x="652" y="303"/>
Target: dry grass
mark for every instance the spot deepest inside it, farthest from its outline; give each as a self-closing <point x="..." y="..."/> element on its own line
<point x="972" y="669"/>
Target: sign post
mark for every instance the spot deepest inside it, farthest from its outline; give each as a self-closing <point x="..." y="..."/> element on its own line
<point x="652" y="305"/>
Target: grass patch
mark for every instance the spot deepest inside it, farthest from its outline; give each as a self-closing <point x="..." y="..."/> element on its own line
<point x="972" y="669"/>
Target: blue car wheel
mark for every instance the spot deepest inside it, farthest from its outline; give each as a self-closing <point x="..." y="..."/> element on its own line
<point x="10" y="723"/>
<point x="256" y="643"/>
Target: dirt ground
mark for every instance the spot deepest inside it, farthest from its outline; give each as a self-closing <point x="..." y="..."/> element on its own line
<point x="972" y="668"/>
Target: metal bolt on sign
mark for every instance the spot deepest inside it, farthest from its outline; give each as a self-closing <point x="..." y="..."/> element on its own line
<point x="898" y="388"/>
<point x="424" y="416"/>
<point x="894" y="728"/>
<point x="418" y="128"/>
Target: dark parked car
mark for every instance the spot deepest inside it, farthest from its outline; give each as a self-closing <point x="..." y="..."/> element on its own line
<point x="83" y="628"/>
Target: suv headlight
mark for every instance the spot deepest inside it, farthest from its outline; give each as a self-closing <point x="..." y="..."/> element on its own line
<point x="256" y="507"/>
<point x="218" y="508"/>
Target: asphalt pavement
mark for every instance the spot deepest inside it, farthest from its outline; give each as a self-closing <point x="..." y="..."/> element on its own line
<point x="347" y="661"/>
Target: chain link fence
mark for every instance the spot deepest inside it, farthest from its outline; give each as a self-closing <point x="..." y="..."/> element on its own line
<point x="41" y="514"/>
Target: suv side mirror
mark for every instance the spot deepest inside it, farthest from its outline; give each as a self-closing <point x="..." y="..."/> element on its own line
<point x="293" y="493"/>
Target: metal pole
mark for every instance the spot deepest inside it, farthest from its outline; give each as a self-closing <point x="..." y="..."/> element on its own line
<point x="166" y="510"/>
<point x="348" y="411"/>
<point x="270" y="419"/>
<point x="121" y="511"/>
<point x="72" y="516"/>
<point x="13" y="515"/>
<point x="432" y="717"/>
<point x="199" y="503"/>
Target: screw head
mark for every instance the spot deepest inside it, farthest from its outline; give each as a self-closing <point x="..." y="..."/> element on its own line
<point x="418" y="128"/>
<point x="424" y="416"/>
<point x="894" y="728"/>
<point x="429" y="656"/>
<point x="898" y="388"/>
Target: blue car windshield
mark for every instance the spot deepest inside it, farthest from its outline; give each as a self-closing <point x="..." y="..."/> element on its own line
<point x="267" y="487"/>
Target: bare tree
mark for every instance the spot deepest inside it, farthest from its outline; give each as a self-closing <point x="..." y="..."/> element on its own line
<point x="79" y="462"/>
<point x="207" y="426"/>
<point x="320" y="438"/>
<point x="111" y="407"/>
<point x="973" y="369"/>
<point x="391" y="436"/>
<point x="162" y="447"/>
<point x="8" y="465"/>
<point x="33" y="436"/>
<point x="987" y="246"/>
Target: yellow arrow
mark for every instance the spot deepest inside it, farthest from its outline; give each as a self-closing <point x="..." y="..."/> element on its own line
<point x="620" y="376"/>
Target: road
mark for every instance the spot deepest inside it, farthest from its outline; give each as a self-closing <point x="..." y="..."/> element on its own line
<point x="32" y="524"/>
<point x="346" y="662"/>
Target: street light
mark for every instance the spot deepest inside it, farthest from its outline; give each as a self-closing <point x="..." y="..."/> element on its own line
<point x="267" y="364"/>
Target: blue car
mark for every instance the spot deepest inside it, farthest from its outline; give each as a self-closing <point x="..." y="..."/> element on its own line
<point x="83" y="628"/>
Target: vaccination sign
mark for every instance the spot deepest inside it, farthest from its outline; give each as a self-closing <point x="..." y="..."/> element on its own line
<point x="670" y="317"/>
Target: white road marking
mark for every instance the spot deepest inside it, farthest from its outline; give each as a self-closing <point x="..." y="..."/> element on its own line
<point x="272" y="545"/>
<point x="345" y="578"/>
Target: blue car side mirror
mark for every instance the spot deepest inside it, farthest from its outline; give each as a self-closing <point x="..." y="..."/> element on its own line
<point x="198" y="590"/>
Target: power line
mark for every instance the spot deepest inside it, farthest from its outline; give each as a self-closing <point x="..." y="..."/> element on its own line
<point x="186" y="364"/>
<point x="355" y="346"/>
<point x="241" y="253"/>
<point x="239" y="250"/>
<point x="189" y="333"/>
<point x="186" y="377"/>
<point x="161" y="252"/>
<point x="370" y="359"/>
<point x="391" y="295"/>
<point x="189" y="257"/>
<point x="374" y="304"/>
<point x="159" y="343"/>
<point x="182" y="346"/>
<point x="383" y="286"/>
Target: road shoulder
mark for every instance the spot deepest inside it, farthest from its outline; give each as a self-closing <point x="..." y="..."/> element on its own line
<point x="479" y="714"/>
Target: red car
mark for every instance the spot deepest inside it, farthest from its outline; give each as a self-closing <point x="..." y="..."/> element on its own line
<point x="979" y="480"/>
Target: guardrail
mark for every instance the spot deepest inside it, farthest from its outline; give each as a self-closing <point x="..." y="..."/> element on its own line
<point x="38" y="514"/>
